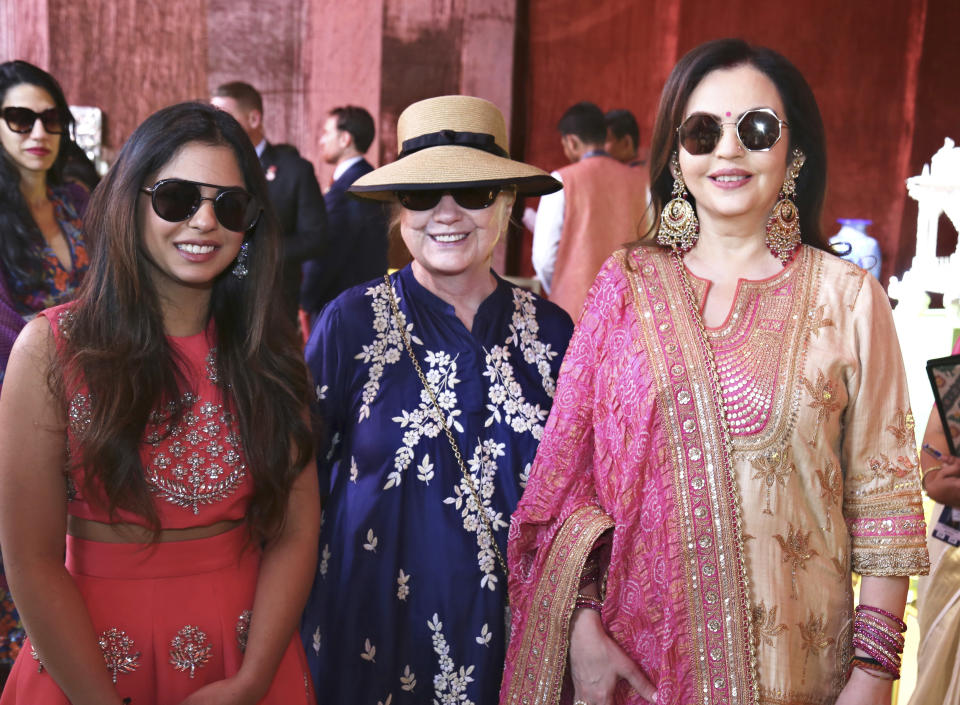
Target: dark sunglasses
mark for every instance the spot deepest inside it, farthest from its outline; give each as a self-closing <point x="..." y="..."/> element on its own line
<point x="175" y="200"/>
<point x="471" y="198"/>
<point x="758" y="130"/>
<point x="22" y="120"/>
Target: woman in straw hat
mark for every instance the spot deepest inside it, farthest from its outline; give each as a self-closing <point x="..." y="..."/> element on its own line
<point x="433" y="386"/>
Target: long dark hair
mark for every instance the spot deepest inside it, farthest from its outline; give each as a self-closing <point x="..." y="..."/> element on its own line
<point x="115" y="341"/>
<point x="803" y="117"/>
<point x="19" y="257"/>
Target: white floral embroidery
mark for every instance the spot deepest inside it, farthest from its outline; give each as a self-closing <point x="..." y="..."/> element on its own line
<point x="354" y="470"/>
<point x="322" y="392"/>
<point x="386" y="347"/>
<point x="369" y="651"/>
<point x="425" y="469"/>
<point x="483" y="471"/>
<point x="334" y="446"/>
<point x="403" y="590"/>
<point x="507" y="403"/>
<point x="485" y="635"/>
<point x="450" y="685"/>
<point x="423" y="421"/>
<point x="371" y="544"/>
<point x="316" y="641"/>
<point x="525" y="475"/>
<point x="523" y="334"/>
<point x="408" y="681"/>
<point x="324" y="560"/>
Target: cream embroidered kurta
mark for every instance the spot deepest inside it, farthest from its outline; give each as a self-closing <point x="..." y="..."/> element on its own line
<point x="825" y="458"/>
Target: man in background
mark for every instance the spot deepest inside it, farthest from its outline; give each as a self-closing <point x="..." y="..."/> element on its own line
<point x="602" y="205"/>
<point x="357" y="243"/>
<point x="292" y="184"/>
<point x="623" y="137"/>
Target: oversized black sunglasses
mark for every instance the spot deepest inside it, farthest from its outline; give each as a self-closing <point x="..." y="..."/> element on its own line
<point x="22" y="120"/>
<point x="175" y="200"/>
<point x="471" y="198"/>
<point x="758" y="130"/>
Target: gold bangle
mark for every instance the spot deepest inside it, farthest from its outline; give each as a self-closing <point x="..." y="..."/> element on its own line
<point x="923" y="477"/>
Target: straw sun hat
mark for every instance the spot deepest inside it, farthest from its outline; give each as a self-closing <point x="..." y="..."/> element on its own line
<point x="453" y="141"/>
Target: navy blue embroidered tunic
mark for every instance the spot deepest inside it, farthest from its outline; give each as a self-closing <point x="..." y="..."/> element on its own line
<point x="408" y="601"/>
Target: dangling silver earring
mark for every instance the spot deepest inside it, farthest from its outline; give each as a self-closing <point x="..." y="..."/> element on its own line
<point x="240" y="265"/>
<point x="783" y="226"/>
<point x="679" y="227"/>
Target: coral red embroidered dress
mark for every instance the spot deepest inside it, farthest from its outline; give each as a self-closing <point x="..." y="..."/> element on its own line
<point x="170" y="617"/>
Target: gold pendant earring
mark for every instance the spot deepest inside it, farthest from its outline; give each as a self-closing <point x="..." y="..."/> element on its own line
<point x="783" y="226"/>
<point x="679" y="227"/>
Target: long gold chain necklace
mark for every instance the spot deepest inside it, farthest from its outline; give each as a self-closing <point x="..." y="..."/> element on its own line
<point x="441" y="419"/>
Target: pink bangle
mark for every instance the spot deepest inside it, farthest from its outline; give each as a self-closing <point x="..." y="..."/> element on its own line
<point x="588" y="602"/>
<point x="894" y="644"/>
<point x="890" y="663"/>
<point x="865" y="617"/>
<point x="899" y="623"/>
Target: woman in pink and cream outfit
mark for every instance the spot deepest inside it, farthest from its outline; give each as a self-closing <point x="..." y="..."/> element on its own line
<point x="731" y="436"/>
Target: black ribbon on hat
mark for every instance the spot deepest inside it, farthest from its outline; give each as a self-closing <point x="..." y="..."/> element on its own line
<point x="475" y="140"/>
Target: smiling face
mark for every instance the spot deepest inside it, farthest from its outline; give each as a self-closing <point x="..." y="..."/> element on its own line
<point x="189" y="255"/>
<point x="451" y="241"/>
<point x="33" y="152"/>
<point x="732" y="182"/>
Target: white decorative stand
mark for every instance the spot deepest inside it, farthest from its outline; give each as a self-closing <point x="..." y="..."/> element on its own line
<point x="926" y="333"/>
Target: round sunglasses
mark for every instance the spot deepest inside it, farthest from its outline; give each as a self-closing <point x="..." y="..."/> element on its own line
<point x="22" y="120"/>
<point x="758" y="131"/>
<point x="472" y="198"/>
<point x="176" y="200"/>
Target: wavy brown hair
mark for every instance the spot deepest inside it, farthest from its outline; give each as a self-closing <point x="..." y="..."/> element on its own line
<point x="117" y="346"/>
<point x="802" y="115"/>
<point x="21" y="258"/>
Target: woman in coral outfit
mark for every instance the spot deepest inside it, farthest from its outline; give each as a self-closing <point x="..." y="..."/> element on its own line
<point x="153" y="432"/>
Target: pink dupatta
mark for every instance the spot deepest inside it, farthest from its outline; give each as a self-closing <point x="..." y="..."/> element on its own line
<point x="634" y="443"/>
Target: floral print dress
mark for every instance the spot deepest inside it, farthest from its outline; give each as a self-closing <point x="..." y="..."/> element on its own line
<point x="17" y="299"/>
<point x="408" y="603"/>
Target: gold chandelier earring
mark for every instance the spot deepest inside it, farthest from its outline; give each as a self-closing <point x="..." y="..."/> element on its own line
<point x="679" y="227"/>
<point x="783" y="226"/>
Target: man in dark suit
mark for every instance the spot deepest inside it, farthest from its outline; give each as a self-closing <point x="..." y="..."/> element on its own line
<point x="357" y="246"/>
<point x="292" y="183"/>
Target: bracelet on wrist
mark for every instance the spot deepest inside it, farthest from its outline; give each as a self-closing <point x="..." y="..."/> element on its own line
<point x="897" y="622"/>
<point x="923" y="476"/>
<point x="589" y="602"/>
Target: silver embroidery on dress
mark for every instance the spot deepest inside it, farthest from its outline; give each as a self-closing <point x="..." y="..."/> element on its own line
<point x="79" y="414"/>
<point x="211" y="365"/>
<point x="195" y="467"/>
<point x="189" y="650"/>
<point x="36" y="657"/>
<point x="118" y="652"/>
<point x="243" y="629"/>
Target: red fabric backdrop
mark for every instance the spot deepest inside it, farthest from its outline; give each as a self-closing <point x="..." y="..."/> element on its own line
<point x="881" y="71"/>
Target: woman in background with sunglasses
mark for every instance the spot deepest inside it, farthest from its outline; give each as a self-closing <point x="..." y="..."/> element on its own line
<point x="42" y="250"/>
<point x="732" y="435"/>
<point x="158" y="423"/>
<point x="42" y="253"/>
<point x="433" y="386"/>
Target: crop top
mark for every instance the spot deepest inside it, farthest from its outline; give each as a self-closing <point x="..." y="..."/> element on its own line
<point x="197" y="470"/>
